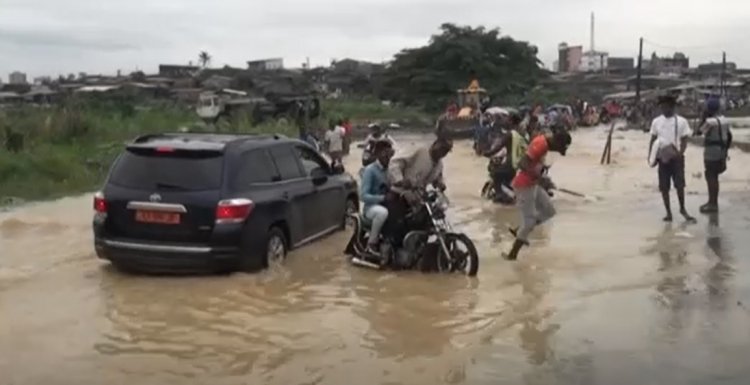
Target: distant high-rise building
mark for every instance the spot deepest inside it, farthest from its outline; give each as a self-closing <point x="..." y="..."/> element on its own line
<point x="18" y="78"/>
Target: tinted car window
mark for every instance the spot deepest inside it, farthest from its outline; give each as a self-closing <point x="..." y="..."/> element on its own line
<point x="286" y="162"/>
<point x="254" y="167"/>
<point x="310" y="160"/>
<point x="179" y="170"/>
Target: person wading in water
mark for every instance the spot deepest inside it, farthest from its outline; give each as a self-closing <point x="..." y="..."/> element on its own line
<point x="503" y="167"/>
<point x="530" y="187"/>
<point x="717" y="140"/>
<point x="670" y="132"/>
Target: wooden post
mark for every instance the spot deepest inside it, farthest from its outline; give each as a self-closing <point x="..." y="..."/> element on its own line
<point x="638" y="74"/>
<point x="607" y="153"/>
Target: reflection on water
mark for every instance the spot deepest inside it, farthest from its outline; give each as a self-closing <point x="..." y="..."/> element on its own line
<point x="718" y="276"/>
<point x="535" y="334"/>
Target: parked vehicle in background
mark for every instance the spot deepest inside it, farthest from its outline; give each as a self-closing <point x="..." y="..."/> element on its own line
<point x="208" y="202"/>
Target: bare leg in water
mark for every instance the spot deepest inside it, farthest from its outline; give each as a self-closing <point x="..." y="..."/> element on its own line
<point x="667" y="205"/>
<point x="683" y="210"/>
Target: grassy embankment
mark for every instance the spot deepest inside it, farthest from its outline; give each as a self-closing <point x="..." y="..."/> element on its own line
<point x="68" y="149"/>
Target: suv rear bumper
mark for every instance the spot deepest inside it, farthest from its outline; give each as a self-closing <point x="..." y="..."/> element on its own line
<point x="165" y="258"/>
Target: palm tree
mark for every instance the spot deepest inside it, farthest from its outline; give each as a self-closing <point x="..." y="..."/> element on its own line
<point x="204" y="58"/>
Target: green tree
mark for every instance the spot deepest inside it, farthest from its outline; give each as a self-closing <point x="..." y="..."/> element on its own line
<point x="430" y="75"/>
<point x="204" y="58"/>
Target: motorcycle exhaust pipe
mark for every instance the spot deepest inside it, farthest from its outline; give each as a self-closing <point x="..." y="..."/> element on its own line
<point x="363" y="263"/>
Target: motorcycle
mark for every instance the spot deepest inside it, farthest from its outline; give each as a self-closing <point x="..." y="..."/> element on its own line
<point x="430" y="245"/>
<point x="507" y="196"/>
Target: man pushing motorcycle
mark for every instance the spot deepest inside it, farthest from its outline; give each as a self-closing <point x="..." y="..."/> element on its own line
<point x="505" y="154"/>
<point x="389" y="185"/>
<point x="420" y="168"/>
<point x="529" y="186"/>
<point x="409" y="174"/>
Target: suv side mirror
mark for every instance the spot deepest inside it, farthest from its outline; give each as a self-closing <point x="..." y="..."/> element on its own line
<point x="319" y="176"/>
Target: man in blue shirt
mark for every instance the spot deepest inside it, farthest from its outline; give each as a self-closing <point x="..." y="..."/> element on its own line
<point x="373" y="192"/>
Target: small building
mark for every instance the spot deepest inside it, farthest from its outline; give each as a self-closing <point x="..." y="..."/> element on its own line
<point x="569" y="58"/>
<point x="266" y="64"/>
<point x="97" y="89"/>
<point x="594" y="61"/>
<point x="41" y="95"/>
<point x="42" y="80"/>
<point x="177" y="71"/>
<point x="17" y="78"/>
<point x="187" y="95"/>
<point x="620" y="63"/>
<point x="675" y="65"/>
<point x="9" y="97"/>
<point x="217" y="82"/>
<point x="716" y="68"/>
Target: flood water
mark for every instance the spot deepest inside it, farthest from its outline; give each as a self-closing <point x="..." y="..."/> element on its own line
<point x="607" y="294"/>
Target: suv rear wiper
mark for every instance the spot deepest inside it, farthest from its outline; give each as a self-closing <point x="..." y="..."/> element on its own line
<point x="169" y="186"/>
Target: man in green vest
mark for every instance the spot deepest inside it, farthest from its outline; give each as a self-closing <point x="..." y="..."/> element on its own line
<point x="505" y="154"/>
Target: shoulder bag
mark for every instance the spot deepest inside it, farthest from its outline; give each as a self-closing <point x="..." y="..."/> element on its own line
<point x="671" y="152"/>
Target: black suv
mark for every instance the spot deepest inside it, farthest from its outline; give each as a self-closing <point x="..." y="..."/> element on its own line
<point x="213" y="202"/>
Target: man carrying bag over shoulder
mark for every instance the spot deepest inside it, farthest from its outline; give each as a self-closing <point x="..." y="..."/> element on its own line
<point x="717" y="140"/>
<point x="672" y="132"/>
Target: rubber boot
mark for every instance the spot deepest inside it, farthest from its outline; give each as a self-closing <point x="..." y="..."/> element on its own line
<point x="513" y="254"/>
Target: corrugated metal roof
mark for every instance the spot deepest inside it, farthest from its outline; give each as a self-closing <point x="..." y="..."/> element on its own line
<point x="97" y="88"/>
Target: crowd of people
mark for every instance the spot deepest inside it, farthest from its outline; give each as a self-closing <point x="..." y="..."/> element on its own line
<point x="517" y="162"/>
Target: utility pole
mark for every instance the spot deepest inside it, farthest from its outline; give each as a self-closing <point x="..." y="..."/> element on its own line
<point x="723" y="73"/>
<point x="638" y="74"/>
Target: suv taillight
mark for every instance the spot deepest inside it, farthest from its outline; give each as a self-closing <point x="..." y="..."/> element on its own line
<point x="233" y="210"/>
<point x="100" y="204"/>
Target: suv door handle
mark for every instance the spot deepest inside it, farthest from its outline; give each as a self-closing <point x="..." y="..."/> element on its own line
<point x="285" y="195"/>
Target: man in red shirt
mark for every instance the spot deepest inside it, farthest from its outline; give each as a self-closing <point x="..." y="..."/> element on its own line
<point x="530" y="186"/>
<point x="347" y="135"/>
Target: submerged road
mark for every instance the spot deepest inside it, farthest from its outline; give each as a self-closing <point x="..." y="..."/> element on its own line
<point x="607" y="294"/>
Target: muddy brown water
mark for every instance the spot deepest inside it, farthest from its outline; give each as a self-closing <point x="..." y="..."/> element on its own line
<point x="607" y="295"/>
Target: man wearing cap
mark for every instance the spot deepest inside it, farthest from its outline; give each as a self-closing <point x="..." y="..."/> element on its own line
<point x="530" y="186"/>
<point x="670" y="133"/>
<point x="717" y="140"/>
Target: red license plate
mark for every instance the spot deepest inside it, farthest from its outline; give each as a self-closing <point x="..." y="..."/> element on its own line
<point x="157" y="217"/>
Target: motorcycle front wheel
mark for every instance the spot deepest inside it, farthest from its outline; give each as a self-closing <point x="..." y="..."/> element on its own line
<point x="463" y="257"/>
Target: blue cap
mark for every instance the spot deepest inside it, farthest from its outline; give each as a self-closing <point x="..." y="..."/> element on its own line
<point x="713" y="105"/>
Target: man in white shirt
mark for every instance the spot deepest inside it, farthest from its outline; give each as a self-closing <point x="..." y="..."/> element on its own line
<point x="670" y="132"/>
<point x="335" y="142"/>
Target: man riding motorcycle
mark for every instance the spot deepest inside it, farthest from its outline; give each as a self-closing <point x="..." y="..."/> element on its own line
<point x="375" y="186"/>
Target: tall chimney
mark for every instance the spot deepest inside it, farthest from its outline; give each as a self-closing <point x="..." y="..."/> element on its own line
<point x="592" y="32"/>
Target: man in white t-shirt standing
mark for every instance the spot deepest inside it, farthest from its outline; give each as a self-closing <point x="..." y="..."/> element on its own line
<point x="670" y="132"/>
<point x="335" y="142"/>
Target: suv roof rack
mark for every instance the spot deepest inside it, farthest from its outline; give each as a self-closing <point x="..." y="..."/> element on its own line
<point x="211" y="137"/>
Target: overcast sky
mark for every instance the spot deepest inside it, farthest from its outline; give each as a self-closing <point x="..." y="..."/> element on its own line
<point x="50" y="37"/>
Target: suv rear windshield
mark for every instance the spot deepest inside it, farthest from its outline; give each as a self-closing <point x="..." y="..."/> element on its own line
<point x="178" y="170"/>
